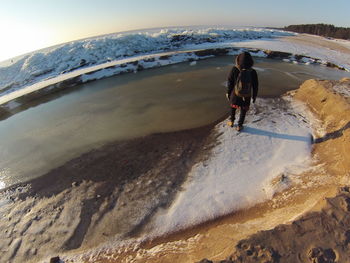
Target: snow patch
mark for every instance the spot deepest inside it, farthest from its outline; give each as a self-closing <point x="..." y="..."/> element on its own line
<point x="343" y="89"/>
<point x="61" y="59"/>
<point x="242" y="171"/>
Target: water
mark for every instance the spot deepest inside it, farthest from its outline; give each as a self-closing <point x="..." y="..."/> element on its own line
<point x="171" y="98"/>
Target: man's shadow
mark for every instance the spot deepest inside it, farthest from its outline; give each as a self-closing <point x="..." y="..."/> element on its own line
<point x="333" y="135"/>
<point x="309" y="139"/>
<point x="260" y="132"/>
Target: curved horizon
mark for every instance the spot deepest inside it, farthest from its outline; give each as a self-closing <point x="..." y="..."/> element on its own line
<point x="27" y="26"/>
<point x="10" y="59"/>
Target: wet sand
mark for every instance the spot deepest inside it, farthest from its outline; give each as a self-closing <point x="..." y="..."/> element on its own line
<point x="97" y="196"/>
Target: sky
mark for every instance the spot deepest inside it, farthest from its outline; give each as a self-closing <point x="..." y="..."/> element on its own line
<point x="27" y="25"/>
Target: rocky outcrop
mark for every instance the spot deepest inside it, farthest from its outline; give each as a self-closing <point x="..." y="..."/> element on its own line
<point x="277" y="54"/>
<point x="212" y="52"/>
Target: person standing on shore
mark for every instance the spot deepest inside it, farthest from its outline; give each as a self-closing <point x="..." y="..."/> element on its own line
<point x="242" y="87"/>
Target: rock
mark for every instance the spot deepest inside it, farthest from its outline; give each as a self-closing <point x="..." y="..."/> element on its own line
<point x="300" y="57"/>
<point x="253" y="50"/>
<point x="4" y="114"/>
<point x="33" y="251"/>
<point x="277" y="54"/>
<point x="318" y="255"/>
<point x="346" y="238"/>
<point x="212" y="52"/>
<point x="149" y="60"/>
<point x="180" y="38"/>
<point x="55" y="260"/>
<point x="254" y="253"/>
<point x="332" y="65"/>
<point x="15" y="246"/>
<point x="165" y="57"/>
<point x="139" y="68"/>
<point x="345" y="80"/>
<point x="82" y="62"/>
<point x="205" y="261"/>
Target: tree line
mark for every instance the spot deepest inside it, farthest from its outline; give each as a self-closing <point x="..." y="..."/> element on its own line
<point x="321" y="30"/>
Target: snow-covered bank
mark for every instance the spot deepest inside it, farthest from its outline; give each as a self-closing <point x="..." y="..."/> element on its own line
<point x="61" y="59"/>
<point x="243" y="168"/>
<point x="324" y="54"/>
<point x="217" y="241"/>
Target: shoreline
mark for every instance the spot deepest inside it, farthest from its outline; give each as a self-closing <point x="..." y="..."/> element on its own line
<point x="216" y="239"/>
<point x="10" y="103"/>
<point x="320" y="234"/>
<point x="74" y="202"/>
<point x="186" y="244"/>
<point x="194" y="236"/>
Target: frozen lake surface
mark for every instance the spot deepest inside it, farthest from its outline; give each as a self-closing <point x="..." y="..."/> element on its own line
<point x="64" y="125"/>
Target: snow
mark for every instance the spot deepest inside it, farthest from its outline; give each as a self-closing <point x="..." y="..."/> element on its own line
<point x="343" y="89"/>
<point x="318" y="52"/>
<point x="64" y="58"/>
<point x="243" y="167"/>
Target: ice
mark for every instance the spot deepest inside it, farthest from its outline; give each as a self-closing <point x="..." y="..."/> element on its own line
<point x="60" y="59"/>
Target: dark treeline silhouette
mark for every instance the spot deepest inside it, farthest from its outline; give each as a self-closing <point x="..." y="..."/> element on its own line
<point x="321" y="30"/>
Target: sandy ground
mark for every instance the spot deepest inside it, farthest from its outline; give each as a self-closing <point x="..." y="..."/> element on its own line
<point x="322" y="235"/>
<point x="317" y="41"/>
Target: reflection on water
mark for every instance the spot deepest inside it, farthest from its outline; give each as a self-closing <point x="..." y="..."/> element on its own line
<point x="158" y="100"/>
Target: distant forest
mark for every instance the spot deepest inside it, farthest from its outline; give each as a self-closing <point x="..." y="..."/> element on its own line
<point x="321" y="30"/>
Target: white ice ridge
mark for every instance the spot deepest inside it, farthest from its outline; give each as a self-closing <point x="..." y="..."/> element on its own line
<point x="60" y="59"/>
<point x="276" y="142"/>
<point x="42" y="68"/>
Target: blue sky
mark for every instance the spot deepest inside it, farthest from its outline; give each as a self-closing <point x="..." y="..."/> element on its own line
<point x="26" y="25"/>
